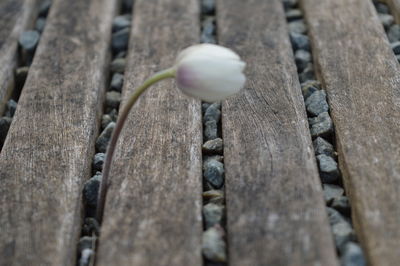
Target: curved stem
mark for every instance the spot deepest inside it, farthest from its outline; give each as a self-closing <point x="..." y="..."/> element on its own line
<point x="168" y="73"/>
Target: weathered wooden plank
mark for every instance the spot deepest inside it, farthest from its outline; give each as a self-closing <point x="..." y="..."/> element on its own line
<point x="275" y="210"/>
<point x="362" y="77"/>
<point x="153" y="208"/>
<point x="49" y="148"/>
<point x="15" y="16"/>
<point x="395" y="8"/>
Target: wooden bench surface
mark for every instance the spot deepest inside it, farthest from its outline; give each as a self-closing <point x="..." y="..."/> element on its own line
<point x="275" y="211"/>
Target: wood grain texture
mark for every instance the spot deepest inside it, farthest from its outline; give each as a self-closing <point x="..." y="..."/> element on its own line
<point x="153" y="207"/>
<point x="47" y="154"/>
<point x="275" y="209"/>
<point x="15" y="16"/>
<point x="362" y="78"/>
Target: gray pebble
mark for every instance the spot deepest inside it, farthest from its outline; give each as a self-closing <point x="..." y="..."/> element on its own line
<point x="341" y="228"/>
<point x="396" y="48"/>
<point x="117" y="81"/>
<point x="208" y="30"/>
<point x="113" y="99"/>
<point x="293" y="14"/>
<point x="91" y="190"/>
<point x="86" y="257"/>
<point x="40" y="24"/>
<point x="85" y="242"/>
<point x="386" y="19"/>
<point x="108" y="118"/>
<point x="342" y="205"/>
<point x="214" y="247"/>
<point x="213" y="214"/>
<point x="210" y="130"/>
<point x="204" y="107"/>
<point x="214" y="146"/>
<point x="213" y="113"/>
<point x="300" y="41"/>
<point x="10" y="108"/>
<point x="332" y="192"/>
<point x="28" y="40"/>
<point x="309" y="87"/>
<point x="118" y="65"/>
<point x="90" y="226"/>
<point x="321" y="126"/>
<point x="218" y="158"/>
<point x="307" y="74"/>
<point x="316" y="103"/>
<point x="120" y="40"/>
<point x="394" y="33"/>
<point x="121" y="22"/>
<point x="214" y="173"/>
<point x="302" y="58"/>
<point x="207" y="7"/>
<point x="214" y="196"/>
<point x="104" y="138"/>
<point x="352" y="255"/>
<point x="98" y="161"/>
<point x="5" y="123"/>
<point x="328" y="169"/>
<point x="321" y="146"/>
<point x="298" y="26"/>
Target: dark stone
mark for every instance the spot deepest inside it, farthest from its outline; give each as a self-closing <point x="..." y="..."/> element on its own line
<point x="214" y="173"/>
<point x="5" y="123"/>
<point x="394" y="33"/>
<point x="316" y="103"/>
<point x="210" y="130"/>
<point x="213" y="214"/>
<point x="98" y="161"/>
<point x="91" y="190"/>
<point x="293" y="14"/>
<point x="302" y="59"/>
<point x="104" y="138"/>
<point x="108" y="118"/>
<point x="386" y="19"/>
<point x="213" y="113"/>
<point x="214" y="247"/>
<point x="381" y="8"/>
<point x="40" y="24"/>
<point x="396" y="48"/>
<point x="44" y="8"/>
<point x="113" y="99"/>
<point x="307" y="74"/>
<point x="321" y="146"/>
<point x="309" y="87"/>
<point x="341" y="228"/>
<point x="352" y="255"/>
<point x="118" y="65"/>
<point x="208" y="30"/>
<point x="332" y="192"/>
<point x="321" y="126"/>
<point x="120" y="40"/>
<point x="121" y="22"/>
<point x="328" y="169"/>
<point x="298" y="26"/>
<point x="300" y="41"/>
<point x="207" y="7"/>
<point x="10" y="108"/>
<point x="90" y="226"/>
<point x="116" y="82"/>
<point x="342" y="205"/>
<point x="28" y="40"/>
<point x="214" y="146"/>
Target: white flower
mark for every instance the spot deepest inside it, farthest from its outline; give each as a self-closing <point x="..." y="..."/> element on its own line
<point x="209" y="72"/>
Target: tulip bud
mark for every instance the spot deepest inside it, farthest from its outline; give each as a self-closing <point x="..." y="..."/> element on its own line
<point x="209" y="72"/>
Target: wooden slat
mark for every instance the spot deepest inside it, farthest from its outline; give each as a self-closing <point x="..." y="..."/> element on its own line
<point x="15" y="16"/>
<point x="153" y="209"/>
<point x="48" y="151"/>
<point x="275" y="210"/>
<point x="362" y="77"/>
<point x="395" y="9"/>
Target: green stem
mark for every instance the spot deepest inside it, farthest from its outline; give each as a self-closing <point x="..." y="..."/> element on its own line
<point x="168" y="73"/>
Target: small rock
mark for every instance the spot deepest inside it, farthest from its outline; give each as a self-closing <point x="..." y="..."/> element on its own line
<point x="218" y="158"/>
<point x="90" y="226"/>
<point x="98" y="161"/>
<point x="118" y="65"/>
<point x="208" y="7"/>
<point x="302" y="58"/>
<point x="104" y="138"/>
<point x="28" y="40"/>
<point x="86" y="256"/>
<point x="116" y="82"/>
<point x="86" y="242"/>
<point x="208" y="30"/>
<point x="382" y="8"/>
<point x="386" y="19"/>
<point x="204" y="107"/>
<point x="394" y="33"/>
<point x="298" y="26"/>
<point x="341" y="228"/>
<point x="321" y="126"/>
<point x="210" y="130"/>
<point x="293" y="14"/>
<point x="316" y="103"/>
<point x="120" y="40"/>
<point x="214" y="196"/>
<point x="288" y="4"/>
<point x="105" y="120"/>
<point x="342" y="205"/>
<point x="113" y="99"/>
<point x="328" y="168"/>
<point x="300" y="41"/>
<point x="321" y="146"/>
<point x="213" y="214"/>
<point x="5" y="123"/>
<point x="213" y="113"/>
<point x="307" y="74"/>
<point x="352" y="255"/>
<point x="214" y="173"/>
<point x="214" y="247"/>
<point x="44" y="8"/>
<point x="121" y="22"/>
<point x="395" y="47"/>
<point x="10" y="108"/>
<point x="214" y="146"/>
<point x="309" y="87"/>
<point x="91" y="190"/>
<point x="332" y="192"/>
<point x="40" y="24"/>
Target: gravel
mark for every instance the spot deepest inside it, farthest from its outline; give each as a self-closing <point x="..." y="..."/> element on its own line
<point x="213" y="214"/>
<point x="113" y="99"/>
<point x="213" y="172"/>
<point x="213" y="113"/>
<point x="120" y="40"/>
<point x="316" y="103"/>
<point x="44" y="8"/>
<point x="98" y="161"/>
<point x="214" y="146"/>
<point x="394" y="33"/>
<point x="294" y="14"/>
<point x="28" y="40"/>
<point x="210" y="130"/>
<point x="341" y="228"/>
<point x="309" y="87"/>
<point x="321" y="126"/>
<point x="302" y="58"/>
<point x="208" y="30"/>
<point x="118" y="65"/>
<point x="297" y="26"/>
<point x="90" y="226"/>
<point x="332" y="192"/>
<point x="382" y="8"/>
<point x="104" y="138"/>
<point x="300" y="41"/>
<point x="11" y="107"/>
<point x="396" y="48"/>
<point x="214" y="247"/>
<point x="290" y="3"/>
<point x="214" y="196"/>
<point x="208" y="7"/>
<point x="307" y="74"/>
<point x="352" y="255"/>
<point x="386" y="19"/>
<point x="121" y="22"/>
<point x="117" y="81"/>
<point x="40" y="24"/>
<point x="91" y="190"/>
<point x="321" y="146"/>
<point x="328" y="168"/>
<point x="342" y="205"/>
<point x="5" y="123"/>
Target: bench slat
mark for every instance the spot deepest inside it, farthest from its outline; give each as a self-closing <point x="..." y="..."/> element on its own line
<point x="153" y="207"/>
<point x="362" y="78"/>
<point x="275" y="208"/>
<point x="47" y="154"/>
